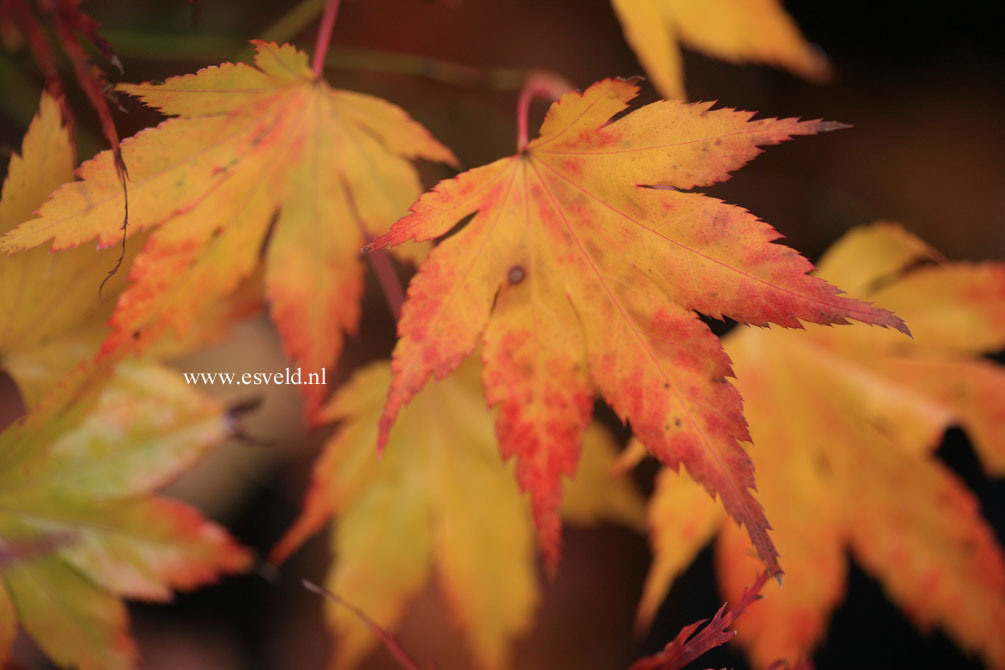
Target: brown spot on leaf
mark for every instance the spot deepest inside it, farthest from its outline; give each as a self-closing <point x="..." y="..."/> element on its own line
<point x="516" y="274"/>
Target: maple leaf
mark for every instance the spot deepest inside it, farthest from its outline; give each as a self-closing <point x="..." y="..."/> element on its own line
<point x="44" y="296"/>
<point x="740" y="31"/>
<point x="53" y="316"/>
<point x="250" y="144"/>
<point x="850" y="466"/>
<point x="578" y="276"/>
<point x="69" y="24"/>
<point x="689" y="645"/>
<point x="75" y="490"/>
<point x="439" y="496"/>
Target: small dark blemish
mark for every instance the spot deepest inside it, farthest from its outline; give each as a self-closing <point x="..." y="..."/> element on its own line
<point x="666" y="386"/>
<point x="677" y="422"/>
<point x="136" y="334"/>
<point x="516" y="274"/>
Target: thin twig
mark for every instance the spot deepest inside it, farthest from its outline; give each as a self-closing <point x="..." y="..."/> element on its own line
<point x="162" y="47"/>
<point x="390" y="642"/>
<point x="433" y="69"/>
<point x="292" y="22"/>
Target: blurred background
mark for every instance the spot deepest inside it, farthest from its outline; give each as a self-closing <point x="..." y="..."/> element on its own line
<point x="924" y="90"/>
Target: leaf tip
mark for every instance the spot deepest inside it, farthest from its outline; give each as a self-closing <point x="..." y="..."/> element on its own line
<point x="895" y="322"/>
<point x="380" y="242"/>
<point x="827" y="126"/>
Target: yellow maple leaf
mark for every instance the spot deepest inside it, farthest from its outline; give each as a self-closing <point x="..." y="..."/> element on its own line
<point x="740" y="31"/>
<point x="844" y="423"/>
<point x="53" y="317"/>
<point x="249" y="144"/>
<point x="440" y="496"/>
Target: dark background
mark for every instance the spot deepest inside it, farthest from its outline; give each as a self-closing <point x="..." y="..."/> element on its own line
<point x="924" y="92"/>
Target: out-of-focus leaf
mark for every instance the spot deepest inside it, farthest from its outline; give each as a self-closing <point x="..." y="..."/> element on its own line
<point x="739" y="31"/>
<point x="844" y="422"/>
<point x="77" y="476"/>
<point x="440" y="497"/>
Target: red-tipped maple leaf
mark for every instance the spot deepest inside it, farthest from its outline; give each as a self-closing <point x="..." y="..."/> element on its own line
<point x="577" y="276"/>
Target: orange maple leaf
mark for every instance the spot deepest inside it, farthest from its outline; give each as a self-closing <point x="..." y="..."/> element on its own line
<point x="250" y="144"/>
<point x="739" y="31"/>
<point x="850" y="467"/>
<point x="578" y="275"/>
<point x="80" y="527"/>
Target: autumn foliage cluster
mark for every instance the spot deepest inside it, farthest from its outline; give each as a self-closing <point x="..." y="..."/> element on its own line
<point x="583" y="269"/>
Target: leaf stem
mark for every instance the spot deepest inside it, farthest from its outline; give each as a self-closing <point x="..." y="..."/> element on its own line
<point x="380" y="261"/>
<point x="538" y="84"/>
<point x="324" y="37"/>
